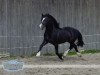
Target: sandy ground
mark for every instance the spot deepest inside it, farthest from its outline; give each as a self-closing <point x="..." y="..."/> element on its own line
<point x="86" y="59"/>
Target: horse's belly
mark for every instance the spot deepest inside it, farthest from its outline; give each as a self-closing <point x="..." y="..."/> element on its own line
<point x="58" y="41"/>
<point x="61" y="41"/>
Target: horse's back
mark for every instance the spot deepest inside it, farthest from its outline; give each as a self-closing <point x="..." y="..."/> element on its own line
<point x="74" y="33"/>
<point x="71" y="29"/>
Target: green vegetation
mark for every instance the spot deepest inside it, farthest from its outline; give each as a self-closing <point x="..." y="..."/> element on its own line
<point x="9" y="57"/>
<point x="85" y="52"/>
<point x="12" y="57"/>
<point x="90" y="51"/>
<point x="49" y="54"/>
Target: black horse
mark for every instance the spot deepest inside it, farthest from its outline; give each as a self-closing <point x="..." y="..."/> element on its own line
<point x="56" y="35"/>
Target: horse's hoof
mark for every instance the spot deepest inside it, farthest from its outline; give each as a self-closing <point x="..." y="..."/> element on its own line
<point x="61" y="57"/>
<point x="79" y="54"/>
<point x="38" y="54"/>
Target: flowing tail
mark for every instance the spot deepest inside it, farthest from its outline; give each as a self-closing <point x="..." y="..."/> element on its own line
<point x="80" y="40"/>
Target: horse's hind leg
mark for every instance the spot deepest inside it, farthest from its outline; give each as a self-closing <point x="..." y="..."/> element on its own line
<point x="78" y="53"/>
<point x="57" y="52"/>
<point x="66" y="52"/>
<point x="40" y="48"/>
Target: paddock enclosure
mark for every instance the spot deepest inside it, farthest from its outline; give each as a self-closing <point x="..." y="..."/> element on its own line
<point x="20" y="19"/>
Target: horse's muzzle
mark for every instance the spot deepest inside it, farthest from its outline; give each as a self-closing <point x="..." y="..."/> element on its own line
<point x="41" y="26"/>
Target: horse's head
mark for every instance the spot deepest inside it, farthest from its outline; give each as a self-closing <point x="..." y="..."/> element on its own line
<point x="44" y="21"/>
<point x="48" y="21"/>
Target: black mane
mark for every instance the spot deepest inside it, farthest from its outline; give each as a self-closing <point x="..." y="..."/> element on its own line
<point x="56" y="24"/>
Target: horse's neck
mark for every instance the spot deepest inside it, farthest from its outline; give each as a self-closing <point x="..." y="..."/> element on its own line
<point x="49" y="30"/>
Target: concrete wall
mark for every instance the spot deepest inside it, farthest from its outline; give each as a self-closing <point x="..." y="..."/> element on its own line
<point x="19" y="20"/>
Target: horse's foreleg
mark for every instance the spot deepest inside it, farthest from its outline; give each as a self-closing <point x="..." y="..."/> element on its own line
<point x="57" y="52"/>
<point x="40" y="48"/>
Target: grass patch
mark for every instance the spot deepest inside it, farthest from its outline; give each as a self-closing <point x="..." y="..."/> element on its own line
<point x="33" y="54"/>
<point x="85" y="52"/>
<point x="48" y="54"/>
<point x="71" y="53"/>
<point x="90" y="51"/>
<point x="10" y="57"/>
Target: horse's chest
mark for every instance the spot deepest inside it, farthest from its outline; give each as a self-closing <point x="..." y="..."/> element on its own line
<point x="50" y="39"/>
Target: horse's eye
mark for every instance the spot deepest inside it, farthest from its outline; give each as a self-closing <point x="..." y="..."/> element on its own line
<point x="43" y="23"/>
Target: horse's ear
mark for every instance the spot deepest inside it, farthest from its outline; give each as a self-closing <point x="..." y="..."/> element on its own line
<point x="47" y="13"/>
<point x="42" y="15"/>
